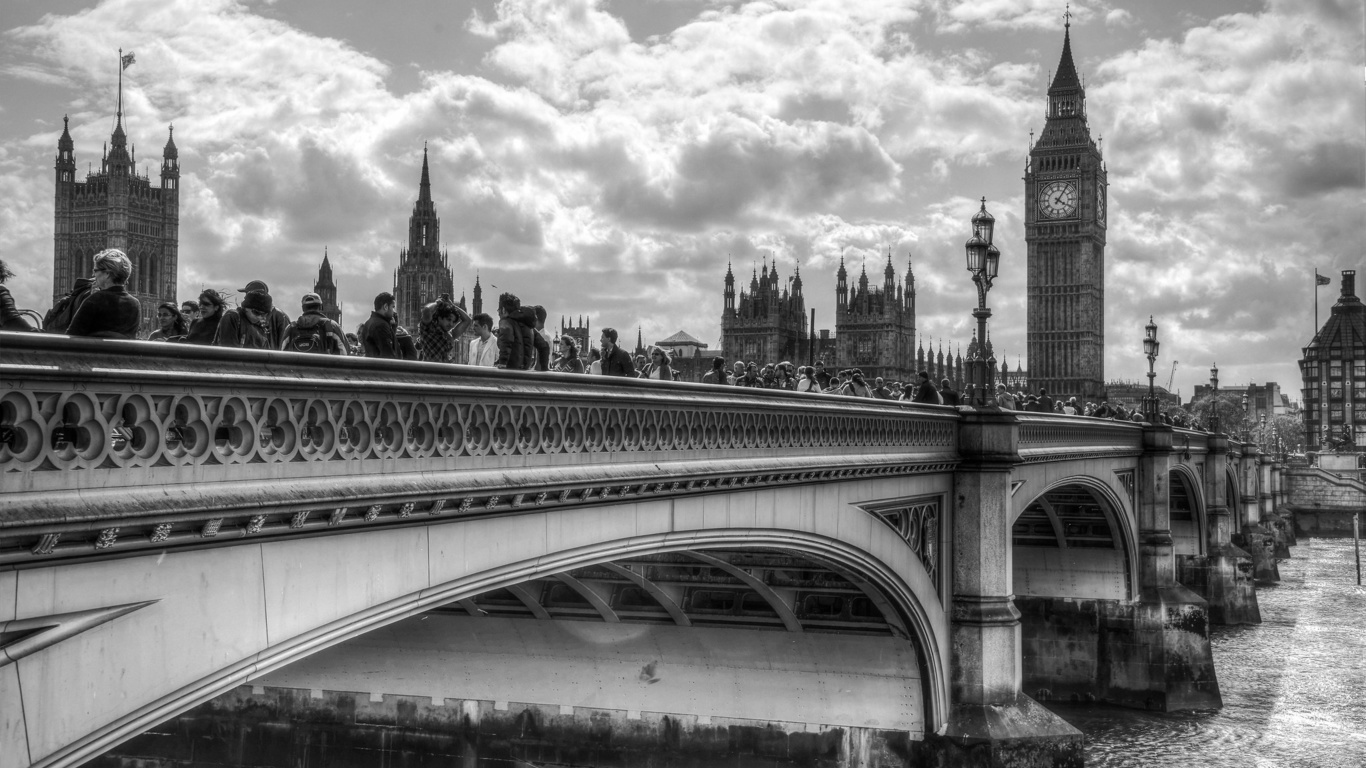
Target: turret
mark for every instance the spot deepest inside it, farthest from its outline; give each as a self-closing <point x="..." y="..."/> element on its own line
<point x="478" y="296"/>
<point x="66" y="158"/>
<point x="170" y="161"/>
<point x="729" y="292"/>
<point x="842" y="285"/>
<point x="889" y="277"/>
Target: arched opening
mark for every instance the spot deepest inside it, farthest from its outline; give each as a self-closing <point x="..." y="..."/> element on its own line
<point x="1070" y="542"/>
<point x="1187" y="512"/>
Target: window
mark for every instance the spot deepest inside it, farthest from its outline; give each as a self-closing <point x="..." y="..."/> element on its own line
<point x="1335" y="392"/>
<point x="1335" y="369"/>
<point x="1359" y="369"/>
<point x="1335" y="414"/>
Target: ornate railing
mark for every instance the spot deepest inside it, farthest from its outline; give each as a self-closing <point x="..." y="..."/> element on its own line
<point x="1052" y="437"/>
<point x="102" y="440"/>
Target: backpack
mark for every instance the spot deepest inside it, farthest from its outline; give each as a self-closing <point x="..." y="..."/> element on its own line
<point x="59" y="317"/>
<point x="310" y="339"/>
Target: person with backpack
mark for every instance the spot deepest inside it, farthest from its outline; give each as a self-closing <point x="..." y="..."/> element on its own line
<point x="109" y="311"/>
<point x="314" y="332"/>
<point x="249" y="326"/>
<point x="59" y="317"/>
<point x="211" y="308"/>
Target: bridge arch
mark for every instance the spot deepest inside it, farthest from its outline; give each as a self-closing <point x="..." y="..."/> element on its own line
<point x="1075" y="538"/>
<point x="1186" y="507"/>
<point x="309" y="602"/>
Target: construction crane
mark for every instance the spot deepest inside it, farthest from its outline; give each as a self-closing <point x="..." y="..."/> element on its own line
<point x="1172" y="376"/>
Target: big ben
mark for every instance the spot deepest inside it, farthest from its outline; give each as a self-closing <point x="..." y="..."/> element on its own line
<point x="1065" y="240"/>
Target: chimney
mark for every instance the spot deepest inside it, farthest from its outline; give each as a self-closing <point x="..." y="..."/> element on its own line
<point x="1349" y="283"/>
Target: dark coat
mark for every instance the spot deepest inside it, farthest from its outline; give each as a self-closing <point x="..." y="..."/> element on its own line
<point x="950" y="397"/>
<point x="618" y="362"/>
<point x="926" y="393"/>
<point x="59" y="317"/>
<point x="234" y="330"/>
<point x="111" y="313"/>
<point x="205" y="329"/>
<point x="314" y="323"/>
<point x="542" y="348"/>
<point x="378" y="336"/>
<point x="516" y="347"/>
<point x="1046" y="404"/>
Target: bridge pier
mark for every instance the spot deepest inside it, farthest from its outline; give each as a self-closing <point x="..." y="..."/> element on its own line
<point x="992" y="721"/>
<point x="1223" y="575"/>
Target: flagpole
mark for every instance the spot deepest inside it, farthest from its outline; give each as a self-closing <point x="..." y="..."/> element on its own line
<point x="1316" y="304"/>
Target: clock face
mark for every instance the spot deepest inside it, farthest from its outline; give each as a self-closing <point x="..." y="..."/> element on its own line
<point x="1100" y="203"/>
<point x="1058" y="200"/>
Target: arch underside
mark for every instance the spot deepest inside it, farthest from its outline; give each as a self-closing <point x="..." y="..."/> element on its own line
<point x="1187" y="512"/>
<point x="1071" y="541"/>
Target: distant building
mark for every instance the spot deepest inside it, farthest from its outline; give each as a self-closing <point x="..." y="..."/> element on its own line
<point x="875" y="326"/>
<point x="682" y="345"/>
<point x="768" y="323"/>
<point x="581" y="334"/>
<point x="1334" y="373"/>
<point x="1130" y="394"/>
<point x="1263" y="400"/>
<point x="326" y="288"/>
<point x="1065" y="219"/>
<point x="424" y="272"/>
<point x="117" y="208"/>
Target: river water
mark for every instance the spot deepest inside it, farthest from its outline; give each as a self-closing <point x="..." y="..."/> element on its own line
<point x="1294" y="687"/>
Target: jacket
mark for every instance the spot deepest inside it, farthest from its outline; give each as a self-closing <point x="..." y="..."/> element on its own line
<point x="333" y="339"/>
<point x="711" y="377"/>
<point x="618" y="363"/>
<point x="949" y="396"/>
<point x="59" y="317"/>
<point x="378" y="337"/>
<point x="542" y="349"/>
<point x="111" y="313"/>
<point x="235" y="330"/>
<point x="205" y="329"/>
<point x="516" y="347"/>
<point x="926" y="393"/>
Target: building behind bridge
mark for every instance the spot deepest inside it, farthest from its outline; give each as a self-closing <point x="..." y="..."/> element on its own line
<point x="1334" y="373"/>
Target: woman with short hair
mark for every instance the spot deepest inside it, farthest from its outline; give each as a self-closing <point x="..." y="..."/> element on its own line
<point x="110" y="311"/>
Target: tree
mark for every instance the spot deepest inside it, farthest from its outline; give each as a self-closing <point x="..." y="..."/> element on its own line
<point x="1232" y="420"/>
<point x="1290" y="428"/>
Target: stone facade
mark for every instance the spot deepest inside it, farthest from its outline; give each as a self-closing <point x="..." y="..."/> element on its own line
<point x="768" y="323"/>
<point x="875" y="326"/>
<point x="1065" y="215"/>
<point x="1334" y="372"/>
<point x="117" y="208"/>
<point x="424" y="272"/>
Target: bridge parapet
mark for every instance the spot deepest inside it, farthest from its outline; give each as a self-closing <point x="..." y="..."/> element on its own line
<point x="1057" y="437"/>
<point x="103" y="439"/>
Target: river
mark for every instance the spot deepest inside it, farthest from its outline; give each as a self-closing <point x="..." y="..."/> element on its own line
<point x="1294" y="687"/>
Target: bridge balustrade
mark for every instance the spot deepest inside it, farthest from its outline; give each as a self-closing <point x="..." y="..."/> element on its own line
<point x="1058" y="437"/>
<point x="166" y="441"/>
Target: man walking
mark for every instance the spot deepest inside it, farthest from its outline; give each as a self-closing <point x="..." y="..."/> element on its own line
<point x="615" y="360"/>
<point x="484" y="346"/>
<point x="378" y="336"/>
<point x="314" y="332"/>
<point x="277" y="320"/>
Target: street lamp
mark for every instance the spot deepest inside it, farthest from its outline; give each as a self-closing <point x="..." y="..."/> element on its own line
<point x="1214" y="399"/>
<point x="1150" y="348"/>
<point x="1245" y="430"/>
<point x="983" y="261"/>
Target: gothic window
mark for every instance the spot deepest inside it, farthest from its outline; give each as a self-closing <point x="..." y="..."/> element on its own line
<point x="865" y="348"/>
<point x="751" y="349"/>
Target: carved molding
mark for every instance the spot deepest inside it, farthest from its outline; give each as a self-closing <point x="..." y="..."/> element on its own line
<point x="918" y="522"/>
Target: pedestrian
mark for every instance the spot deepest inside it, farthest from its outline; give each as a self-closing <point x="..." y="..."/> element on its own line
<point x="1004" y="400"/>
<point x="353" y="347"/>
<point x="908" y="391"/>
<point x="924" y="389"/>
<point x="484" y="346"/>
<point x="1045" y="402"/>
<point x="806" y="380"/>
<point x="190" y="310"/>
<point x="109" y="311"/>
<point x="441" y="323"/>
<point x="768" y="377"/>
<point x="717" y="374"/>
<point x="211" y="309"/>
<point x="786" y="376"/>
<point x="751" y="377"/>
<point x="516" y="327"/>
<point x="278" y="319"/>
<point x="947" y="395"/>
<point x="615" y="360"/>
<point x="594" y="361"/>
<point x="172" y="323"/>
<point x="659" y="367"/>
<point x="738" y="372"/>
<point x="250" y="325"/>
<point x="379" y="335"/>
<point x="403" y="342"/>
<point x="314" y="332"/>
<point x="856" y="386"/>
<point x="1070" y="407"/>
<point x="822" y="377"/>
<point x="10" y="319"/>
<point x="540" y="344"/>
<point x="880" y="390"/>
<point x="569" y="360"/>
<point x="59" y="317"/>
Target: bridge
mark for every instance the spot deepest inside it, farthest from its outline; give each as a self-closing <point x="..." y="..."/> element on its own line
<point x="187" y="530"/>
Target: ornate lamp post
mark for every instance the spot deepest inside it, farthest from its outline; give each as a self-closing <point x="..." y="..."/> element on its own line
<point x="1261" y="431"/>
<point x="983" y="261"/>
<point x="1214" y="399"/>
<point x="1150" y="348"/>
<point x="1245" y="428"/>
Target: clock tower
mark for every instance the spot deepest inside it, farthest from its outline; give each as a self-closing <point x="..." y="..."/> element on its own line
<point x="1065" y="212"/>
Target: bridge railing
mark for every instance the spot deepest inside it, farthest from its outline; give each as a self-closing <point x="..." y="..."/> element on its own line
<point x="1054" y="437"/>
<point x="95" y="429"/>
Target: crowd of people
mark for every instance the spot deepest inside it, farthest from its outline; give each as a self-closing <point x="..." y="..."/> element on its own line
<point x="101" y="306"/>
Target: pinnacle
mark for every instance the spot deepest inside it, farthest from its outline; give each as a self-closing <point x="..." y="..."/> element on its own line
<point x="1066" y="78"/>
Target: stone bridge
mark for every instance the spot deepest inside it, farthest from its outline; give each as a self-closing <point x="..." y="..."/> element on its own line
<point x="185" y="530"/>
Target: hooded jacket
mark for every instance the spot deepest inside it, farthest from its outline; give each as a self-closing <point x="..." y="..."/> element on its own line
<point x="516" y="347"/>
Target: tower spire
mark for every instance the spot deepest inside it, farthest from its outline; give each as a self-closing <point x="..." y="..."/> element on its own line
<point x="425" y="188"/>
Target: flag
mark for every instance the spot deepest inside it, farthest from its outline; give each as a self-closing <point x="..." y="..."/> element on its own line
<point x="127" y="60"/>
<point x="1321" y="279"/>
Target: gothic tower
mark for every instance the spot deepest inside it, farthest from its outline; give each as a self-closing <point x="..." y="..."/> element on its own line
<point x="875" y="325"/>
<point x="1065" y="197"/>
<point x="768" y="323"/>
<point x="118" y="208"/>
<point x="326" y="289"/>
<point x="423" y="272"/>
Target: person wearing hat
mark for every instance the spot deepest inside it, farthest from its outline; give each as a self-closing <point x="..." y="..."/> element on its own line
<point x="314" y="332"/>
<point x="249" y="326"/>
<point x="278" y="319"/>
<point x="379" y="334"/>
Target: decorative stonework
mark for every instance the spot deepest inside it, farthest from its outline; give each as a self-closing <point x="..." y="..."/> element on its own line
<point x="47" y="543"/>
<point x="436" y="507"/>
<point x="255" y="524"/>
<point x="372" y="512"/>
<point x="160" y="533"/>
<point x="1126" y="479"/>
<point x="107" y="538"/>
<point x="298" y="520"/>
<point x="917" y="522"/>
<point x="336" y="517"/>
<point x="211" y="527"/>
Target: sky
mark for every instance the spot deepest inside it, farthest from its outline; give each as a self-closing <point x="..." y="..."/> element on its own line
<point x="608" y="158"/>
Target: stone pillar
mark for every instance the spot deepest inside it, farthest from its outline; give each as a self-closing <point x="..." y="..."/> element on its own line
<point x="1165" y="661"/>
<point x="992" y="721"/>
<point x="1223" y="575"/>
